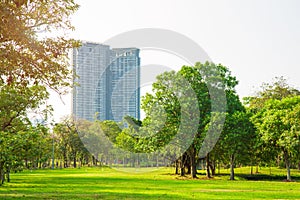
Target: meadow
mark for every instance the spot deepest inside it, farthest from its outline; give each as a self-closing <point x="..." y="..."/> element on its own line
<point x="106" y="183"/>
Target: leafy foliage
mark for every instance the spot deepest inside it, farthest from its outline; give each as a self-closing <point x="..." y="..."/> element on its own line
<point x="278" y="124"/>
<point x="26" y="57"/>
<point x="31" y="61"/>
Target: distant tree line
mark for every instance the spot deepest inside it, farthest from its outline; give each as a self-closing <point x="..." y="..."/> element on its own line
<point x="264" y="131"/>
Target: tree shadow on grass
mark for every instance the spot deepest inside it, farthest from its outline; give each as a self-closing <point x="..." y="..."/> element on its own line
<point x="266" y="177"/>
<point x="255" y="177"/>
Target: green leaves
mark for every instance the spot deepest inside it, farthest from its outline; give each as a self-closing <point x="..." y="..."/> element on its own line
<point x="278" y="90"/>
<point x="31" y="60"/>
<point x="278" y="124"/>
<point x="17" y="101"/>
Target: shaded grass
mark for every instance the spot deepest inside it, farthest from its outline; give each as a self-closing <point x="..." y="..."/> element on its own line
<point x="267" y="174"/>
<point x="105" y="183"/>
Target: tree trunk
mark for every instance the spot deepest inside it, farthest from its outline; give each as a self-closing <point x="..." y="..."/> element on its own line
<point x="176" y="167"/>
<point x="232" y="167"/>
<point x="193" y="163"/>
<point x="81" y="162"/>
<point x="74" y="161"/>
<point x="8" y="175"/>
<point x="207" y="167"/>
<point x="1" y="173"/>
<point x="288" y="166"/>
<point x="212" y="166"/>
<point x="188" y="166"/>
<point x="182" y="170"/>
<point x="288" y="174"/>
<point x="94" y="161"/>
<point x="65" y="160"/>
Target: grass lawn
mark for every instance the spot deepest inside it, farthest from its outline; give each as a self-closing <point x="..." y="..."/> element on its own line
<point x="106" y="183"/>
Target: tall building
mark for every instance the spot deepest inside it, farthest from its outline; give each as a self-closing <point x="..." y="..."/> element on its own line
<point x="108" y="82"/>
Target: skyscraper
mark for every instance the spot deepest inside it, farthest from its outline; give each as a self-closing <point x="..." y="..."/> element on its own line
<point x="108" y="82"/>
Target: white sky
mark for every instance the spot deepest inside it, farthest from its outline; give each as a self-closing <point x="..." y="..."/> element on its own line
<point x="256" y="39"/>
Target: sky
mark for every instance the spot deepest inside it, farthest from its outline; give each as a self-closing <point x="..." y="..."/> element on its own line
<point x="256" y="39"/>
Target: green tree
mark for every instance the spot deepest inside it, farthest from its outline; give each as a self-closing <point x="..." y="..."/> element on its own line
<point x="31" y="60"/>
<point x="277" y="90"/>
<point x="70" y="144"/>
<point x="27" y="99"/>
<point x="278" y="124"/>
<point x="37" y="146"/>
<point x="111" y="129"/>
<point x="14" y="121"/>
<point x="171" y="101"/>
<point x="236" y="139"/>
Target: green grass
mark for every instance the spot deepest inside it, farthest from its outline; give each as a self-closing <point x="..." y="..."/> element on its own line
<point x="105" y="183"/>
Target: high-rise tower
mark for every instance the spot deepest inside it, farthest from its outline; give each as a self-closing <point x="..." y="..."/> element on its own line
<point x="108" y="82"/>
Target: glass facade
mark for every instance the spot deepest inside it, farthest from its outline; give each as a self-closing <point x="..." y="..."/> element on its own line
<point x="108" y="82"/>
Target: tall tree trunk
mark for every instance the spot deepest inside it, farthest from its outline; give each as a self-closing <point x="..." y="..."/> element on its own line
<point x="81" y="162"/>
<point x="93" y="160"/>
<point x="61" y="163"/>
<point x="232" y="167"/>
<point x="193" y="166"/>
<point x="74" y="160"/>
<point x="207" y="166"/>
<point x="288" y="166"/>
<point x="65" y="160"/>
<point x="212" y="166"/>
<point x="182" y="170"/>
<point x="188" y="165"/>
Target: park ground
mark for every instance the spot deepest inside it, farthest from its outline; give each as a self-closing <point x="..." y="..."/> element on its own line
<point x="106" y="183"/>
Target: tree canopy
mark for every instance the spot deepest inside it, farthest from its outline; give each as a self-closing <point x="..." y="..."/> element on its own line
<point x="33" y="59"/>
<point x="275" y="116"/>
<point x="29" y="54"/>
